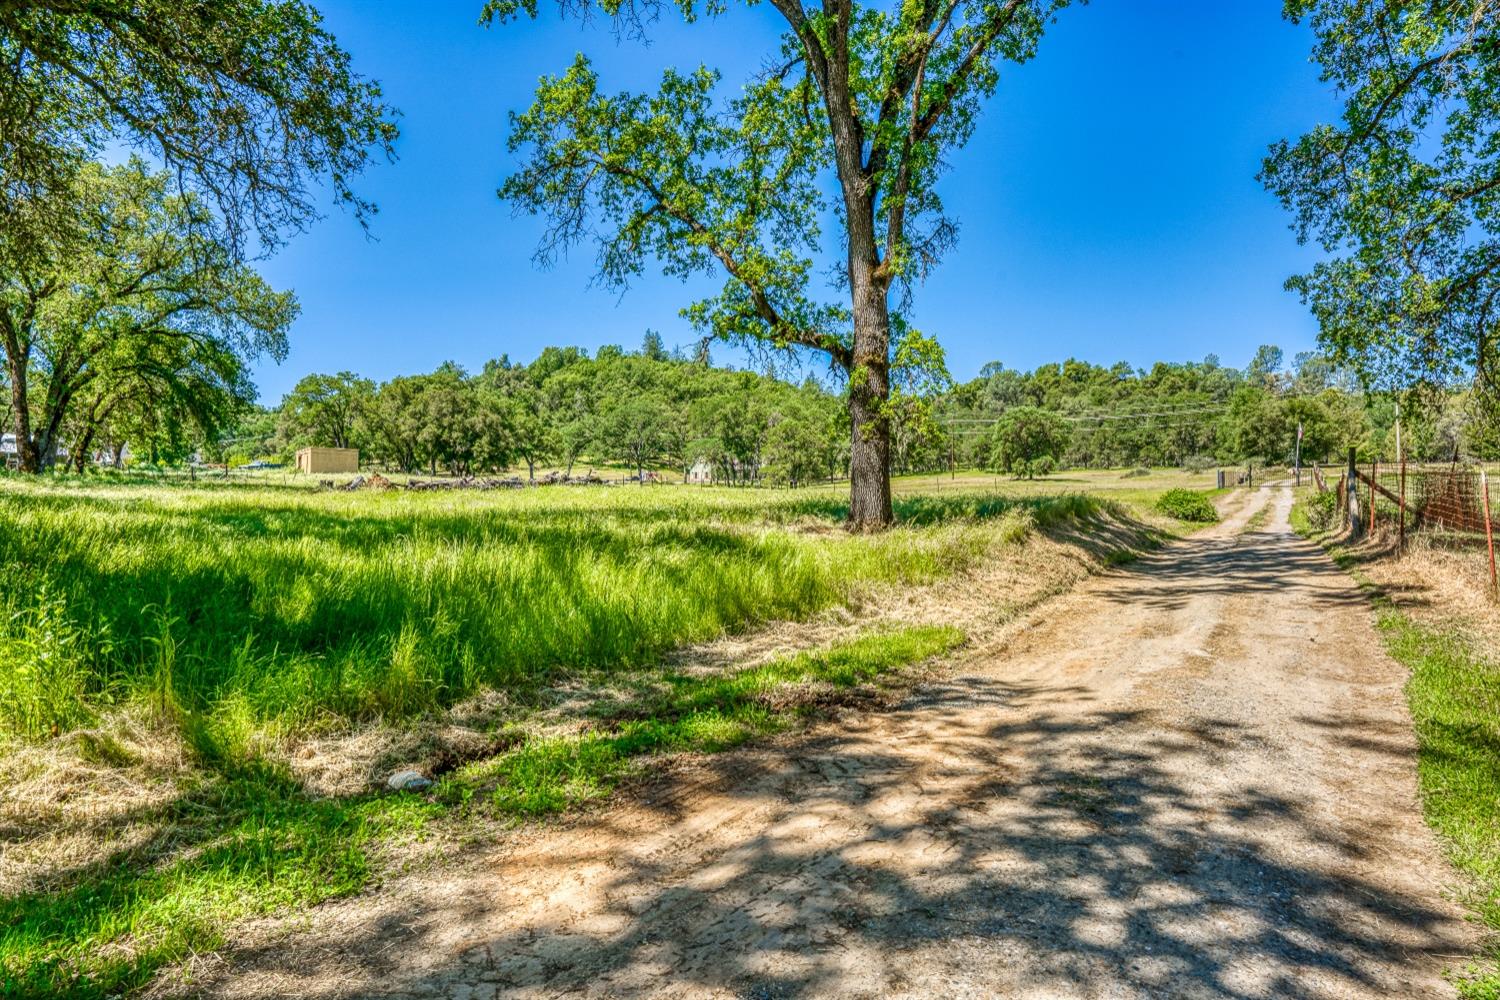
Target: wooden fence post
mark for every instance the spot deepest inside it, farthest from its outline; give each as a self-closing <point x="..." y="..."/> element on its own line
<point x="1489" y="531"/>
<point x="1372" y="496"/>
<point x="1351" y="496"/>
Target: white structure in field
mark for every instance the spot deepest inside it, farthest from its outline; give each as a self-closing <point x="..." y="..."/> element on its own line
<point x="701" y="472"/>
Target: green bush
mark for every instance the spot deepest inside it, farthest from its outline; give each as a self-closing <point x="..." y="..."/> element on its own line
<point x="1199" y="463"/>
<point x="1187" y="505"/>
<point x="1322" y="508"/>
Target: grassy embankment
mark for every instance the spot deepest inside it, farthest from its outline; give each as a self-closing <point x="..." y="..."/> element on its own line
<point x="232" y="616"/>
<point x="1454" y="696"/>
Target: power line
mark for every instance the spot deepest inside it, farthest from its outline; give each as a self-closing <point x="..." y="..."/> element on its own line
<point x="1146" y="415"/>
<point x="1093" y="418"/>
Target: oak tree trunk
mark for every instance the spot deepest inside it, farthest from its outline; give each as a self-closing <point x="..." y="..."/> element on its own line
<point x="869" y="361"/>
<point x="27" y="454"/>
<point x="869" y="389"/>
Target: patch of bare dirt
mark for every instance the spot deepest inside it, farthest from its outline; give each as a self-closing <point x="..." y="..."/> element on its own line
<point x="1191" y="778"/>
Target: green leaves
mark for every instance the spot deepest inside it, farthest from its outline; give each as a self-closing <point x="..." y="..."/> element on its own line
<point x="675" y="180"/>
<point x="695" y="183"/>
<point x="1028" y="441"/>
<point x="137" y="317"/>
<point x="1404" y="191"/>
<point x="249" y="102"/>
<point x="326" y="410"/>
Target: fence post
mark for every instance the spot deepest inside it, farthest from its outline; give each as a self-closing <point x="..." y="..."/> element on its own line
<point x="1351" y="497"/>
<point x="1401" y="525"/>
<point x="1372" y="496"/>
<point x="1489" y="531"/>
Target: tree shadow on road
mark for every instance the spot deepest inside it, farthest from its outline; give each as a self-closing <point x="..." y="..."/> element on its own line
<point x="1055" y="853"/>
<point x="1274" y="565"/>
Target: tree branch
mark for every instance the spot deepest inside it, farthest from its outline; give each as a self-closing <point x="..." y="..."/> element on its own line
<point x="1002" y="19"/>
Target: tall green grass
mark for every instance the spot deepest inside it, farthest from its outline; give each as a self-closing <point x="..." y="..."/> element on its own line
<point x="293" y="605"/>
<point x="1454" y="693"/>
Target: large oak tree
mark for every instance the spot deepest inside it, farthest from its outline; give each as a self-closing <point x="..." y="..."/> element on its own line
<point x="860" y="102"/>
<point x="141" y="297"/>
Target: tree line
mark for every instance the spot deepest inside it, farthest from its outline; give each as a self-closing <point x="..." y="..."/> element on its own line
<point x="650" y="409"/>
<point x="1197" y="415"/>
<point x="170" y="396"/>
<point x="645" y="410"/>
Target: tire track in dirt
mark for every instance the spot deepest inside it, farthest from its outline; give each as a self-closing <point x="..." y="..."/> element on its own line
<point x="1193" y="778"/>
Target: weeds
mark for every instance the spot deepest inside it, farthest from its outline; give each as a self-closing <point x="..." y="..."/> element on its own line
<point x="45" y="666"/>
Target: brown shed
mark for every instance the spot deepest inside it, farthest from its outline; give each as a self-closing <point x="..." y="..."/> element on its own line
<point x="315" y="460"/>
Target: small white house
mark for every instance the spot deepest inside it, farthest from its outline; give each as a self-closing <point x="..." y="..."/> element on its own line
<point x="702" y="472"/>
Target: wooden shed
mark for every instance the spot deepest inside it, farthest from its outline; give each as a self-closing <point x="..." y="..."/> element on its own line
<point x="319" y="460"/>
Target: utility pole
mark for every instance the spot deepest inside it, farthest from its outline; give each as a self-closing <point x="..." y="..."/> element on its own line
<point x="952" y="470"/>
<point x="1297" y="461"/>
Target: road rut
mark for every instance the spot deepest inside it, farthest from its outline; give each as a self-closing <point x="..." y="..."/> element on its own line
<point x="1193" y="777"/>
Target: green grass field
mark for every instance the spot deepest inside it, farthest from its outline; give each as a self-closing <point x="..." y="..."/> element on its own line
<point x="290" y="604"/>
<point x="227" y="618"/>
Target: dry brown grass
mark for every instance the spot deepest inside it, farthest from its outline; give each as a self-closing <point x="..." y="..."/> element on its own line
<point x="1440" y="579"/>
<point x="86" y="798"/>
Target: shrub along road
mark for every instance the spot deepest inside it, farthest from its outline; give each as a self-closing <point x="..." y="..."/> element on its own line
<point x="1192" y="777"/>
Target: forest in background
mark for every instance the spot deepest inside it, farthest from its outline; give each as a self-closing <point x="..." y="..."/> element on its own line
<point x="657" y="409"/>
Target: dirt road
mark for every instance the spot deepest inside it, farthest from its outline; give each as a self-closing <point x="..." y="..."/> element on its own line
<point x="1191" y="778"/>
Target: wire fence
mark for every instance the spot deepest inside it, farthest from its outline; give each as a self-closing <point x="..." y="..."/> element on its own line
<point x="1407" y="498"/>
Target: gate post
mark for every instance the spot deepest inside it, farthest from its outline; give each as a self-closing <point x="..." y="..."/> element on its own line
<point x="1351" y="496"/>
<point x="1401" y="529"/>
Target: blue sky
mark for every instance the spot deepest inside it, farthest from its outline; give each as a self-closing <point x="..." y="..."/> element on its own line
<point x="1108" y="204"/>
